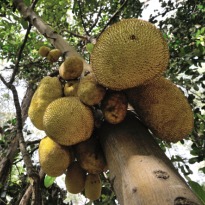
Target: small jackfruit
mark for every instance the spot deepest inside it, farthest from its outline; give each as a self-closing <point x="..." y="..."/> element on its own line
<point x="43" y="51"/>
<point x="114" y="106"/>
<point x="75" y="178"/>
<point x="90" y="155"/>
<point x="71" y="88"/>
<point x="90" y="91"/>
<point x="71" y="68"/>
<point x="54" y="158"/>
<point x="54" y="55"/>
<point x="164" y="109"/>
<point x="42" y="98"/>
<point x="68" y="121"/>
<point x="93" y="186"/>
<point x="129" y="53"/>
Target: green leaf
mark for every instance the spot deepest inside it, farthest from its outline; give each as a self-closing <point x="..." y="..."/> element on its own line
<point x="197" y="188"/>
<point x="202" y="169"/>
<point x="48" y="181"/>
<point x="89" y="47"/>
<point x="24" y="24"/>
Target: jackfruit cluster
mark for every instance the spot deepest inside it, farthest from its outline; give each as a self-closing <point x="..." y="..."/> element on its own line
<point x="127" y="61"/>
<point x="51" y="54"/>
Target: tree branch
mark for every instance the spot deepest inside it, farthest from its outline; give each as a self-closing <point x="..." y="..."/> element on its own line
<point x="16" y="67"/>
<point x="26" y="196"/>
<point x="113" y="16"/>
<point x="55" y="39"/>
<point x="96" y="20"/>
<point x="81" y="16"/>
<point x="34" y="2"/>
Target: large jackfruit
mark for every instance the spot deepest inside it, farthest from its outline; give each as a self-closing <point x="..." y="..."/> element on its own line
<point x="68" y="121"/>
<point x="54" y="158"/>
<point x="163" y="108"/>
<point x="93" y="186"/>
<point x="48" y="90"/>
<point x="75" y="178"/>
<point x="129" y="53"/>
<point x="90" y="155"/>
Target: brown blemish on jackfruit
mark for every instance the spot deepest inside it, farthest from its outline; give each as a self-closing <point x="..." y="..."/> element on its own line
<point x="114" y="106"/>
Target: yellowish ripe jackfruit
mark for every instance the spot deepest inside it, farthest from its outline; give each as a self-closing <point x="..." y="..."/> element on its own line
<point x="114" y="106"/>
<point x="71" y="88"/>
<point x="163" y="108"/>
<point x="68" y="121"/>
<point x="54" y="158"/>
<point x="71" y="68"/>
<point x="90" y="156"/>
<point x="48" y="90"/>
<point x="89" y="91"/>
<point x="129" y="53"/>
<point x="43" y="51"/>
<point x="75" y="178"/>
<point x="54" y="55"/>
<point x="93" y="186"/>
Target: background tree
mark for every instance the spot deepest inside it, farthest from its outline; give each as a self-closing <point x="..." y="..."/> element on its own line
<point x="81" y="23"/>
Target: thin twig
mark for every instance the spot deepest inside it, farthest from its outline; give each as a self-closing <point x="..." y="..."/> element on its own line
<point x="81" y="16"/>
<point x="113" y="16"/>
<point x="16" y="68"/>
<point x="34" y="2"/>
<point x="77" y="35"/>
<point x="96" y="20"/>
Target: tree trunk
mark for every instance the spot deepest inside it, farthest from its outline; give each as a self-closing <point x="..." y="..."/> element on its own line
<point x="139" y="170"/>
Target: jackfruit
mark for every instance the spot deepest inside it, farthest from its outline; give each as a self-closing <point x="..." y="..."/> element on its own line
<point x="71" y="88"/>
<point x="54" y="158"/>
<point x="71" y="68"/>
<point x="114" y="106"/>
<point x="90" y="155"/>
<point x="54" y="55"/>
<point x="43" y="51"/>
<point x="164" y="109"/>
<point x="68" y="121"/>
<point x="42" y="98"/>
<point x="75" y="178"/>
<point x="89" y="91"/>
<point x="93" y="186"/>
<point x="129" y="53"/>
